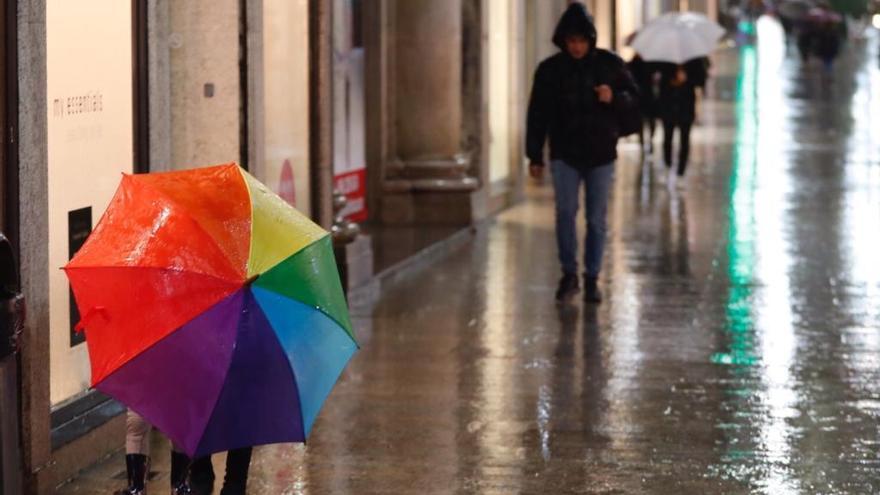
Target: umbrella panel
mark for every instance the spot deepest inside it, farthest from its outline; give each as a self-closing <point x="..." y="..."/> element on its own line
<point x="311" y="277"/>
<point x="316" y="346"/>
<point x="142" y="227"/>
<point x="675" y="46"/>
<point x="132" y="308"/>
<point x="278" y="230"/>
<point x="260" y="403"/>
<point x="173" y="387"/>
<point x="225" y="217"/>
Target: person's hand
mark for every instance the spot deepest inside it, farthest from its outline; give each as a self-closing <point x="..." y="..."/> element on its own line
<point x="604" y="93"/>
<point x="536" y="171"/>
<point x="680" y="77"/>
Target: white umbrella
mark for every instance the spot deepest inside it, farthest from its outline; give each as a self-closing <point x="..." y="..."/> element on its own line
<point x="677" y="37"/>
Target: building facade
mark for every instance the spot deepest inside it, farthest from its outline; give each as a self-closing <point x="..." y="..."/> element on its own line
<point x="411" y="109"/>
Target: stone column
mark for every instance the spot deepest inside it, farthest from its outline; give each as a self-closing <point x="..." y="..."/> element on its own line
<point x="321" y="110"/>
<point x="427" y="84"/>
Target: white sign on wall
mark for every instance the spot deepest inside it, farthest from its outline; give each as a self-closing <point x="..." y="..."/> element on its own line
<point x="90" y="107"/>
<point x="349" y="126"/>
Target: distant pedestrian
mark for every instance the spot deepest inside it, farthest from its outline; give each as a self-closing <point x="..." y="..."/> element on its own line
<point x="677" y="105"/>
<point x="579" y="97"/>
<point x="645" y="74"/>
<point x="827" y="45"/>
<point x="805" y="42"/>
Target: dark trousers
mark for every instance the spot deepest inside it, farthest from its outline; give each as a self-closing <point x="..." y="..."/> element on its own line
<point x="684" y="130"/>
<point x="238" y="463"/>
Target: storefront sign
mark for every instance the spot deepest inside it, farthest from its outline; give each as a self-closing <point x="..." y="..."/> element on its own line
<point x="349" y="127"/>
<point x="354" y="186"/>
<point x="90" y="111"/>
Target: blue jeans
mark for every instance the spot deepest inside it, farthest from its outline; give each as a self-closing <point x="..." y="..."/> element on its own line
<point x="567" y="184"/>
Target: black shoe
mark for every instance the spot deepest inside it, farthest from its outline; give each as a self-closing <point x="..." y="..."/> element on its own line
<point x="182" y="489"/>
<point x="180" y="474"/>
<point x="136" y="471"/>
<point x="202" y="487"/>
<point x="201" y="476"/>
<point x="592" y="294"/>
<point x="568" y="287"/>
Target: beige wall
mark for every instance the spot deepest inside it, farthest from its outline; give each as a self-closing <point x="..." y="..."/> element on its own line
<point x="286" y="85"/>
<point x="708" y="7"/>
<point x="630" y="17"/>
<point x="90" y="142"/>
<point x="499" y="17"/>
<point x="603" y="13"/>
<point x="541" y="18"/>
<point x="204" y="48"/>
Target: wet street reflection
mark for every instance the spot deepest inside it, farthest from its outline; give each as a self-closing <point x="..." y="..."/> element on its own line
<point x="737" y="351"/>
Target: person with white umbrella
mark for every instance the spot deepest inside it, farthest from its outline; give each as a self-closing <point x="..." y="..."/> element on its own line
<point x="683" y="41"/>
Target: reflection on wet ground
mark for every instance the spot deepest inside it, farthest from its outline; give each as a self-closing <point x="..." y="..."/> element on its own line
<point x="738" y="350"/>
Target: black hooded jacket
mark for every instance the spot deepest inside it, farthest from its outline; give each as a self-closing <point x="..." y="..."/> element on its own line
<point x="564" y="105"/>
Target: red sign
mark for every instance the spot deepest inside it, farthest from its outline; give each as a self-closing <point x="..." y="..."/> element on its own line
<point x="354" y="186"/>
<point x="286" y="186"/>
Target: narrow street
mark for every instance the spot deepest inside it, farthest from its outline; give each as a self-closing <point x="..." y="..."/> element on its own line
<point x="737" y="350"/>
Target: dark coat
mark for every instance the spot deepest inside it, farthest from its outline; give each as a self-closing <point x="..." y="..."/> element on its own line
<point x="643" y="73"/>
<point x="677" y="104"/>
<point x="564" y="106"/>
<point x="827" y="44"/>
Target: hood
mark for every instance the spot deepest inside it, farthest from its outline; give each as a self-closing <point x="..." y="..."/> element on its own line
<point x="575" y="20"/>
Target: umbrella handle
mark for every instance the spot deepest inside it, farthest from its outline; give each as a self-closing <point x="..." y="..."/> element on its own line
<point x="88" y="316"/>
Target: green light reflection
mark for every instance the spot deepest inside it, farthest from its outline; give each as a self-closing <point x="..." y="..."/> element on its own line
<point x="739" y="323"/>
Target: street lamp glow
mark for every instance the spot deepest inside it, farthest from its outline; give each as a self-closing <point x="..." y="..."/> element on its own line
<point x="876" y="21"/>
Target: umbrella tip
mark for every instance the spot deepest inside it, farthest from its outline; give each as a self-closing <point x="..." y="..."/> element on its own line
<point x="252" y="279"/>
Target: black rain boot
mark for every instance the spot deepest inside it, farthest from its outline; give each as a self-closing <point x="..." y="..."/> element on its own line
<point x="238" y="463"/>
<point x="180" y="474"/>
<point x="592" y="294"/>
<point x="568" y="287"/>
<point x="136" y="471"/>
<point x="201" y="476"/>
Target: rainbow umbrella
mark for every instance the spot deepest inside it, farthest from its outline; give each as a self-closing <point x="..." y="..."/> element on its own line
<point x="212" y="308"/>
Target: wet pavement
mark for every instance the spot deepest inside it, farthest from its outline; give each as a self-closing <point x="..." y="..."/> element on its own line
<point x="738" y="350"/>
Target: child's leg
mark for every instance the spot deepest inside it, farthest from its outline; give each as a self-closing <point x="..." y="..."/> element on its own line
<point x="137" y="434"/>
<point x="137" y="448"/>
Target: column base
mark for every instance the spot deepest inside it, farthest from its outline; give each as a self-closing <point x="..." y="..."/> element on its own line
<point x="434" y="208"/>
<point x="432" y="190"/>
<point x="443" y="174"/>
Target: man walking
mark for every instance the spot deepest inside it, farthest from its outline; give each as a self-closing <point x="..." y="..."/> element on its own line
<point x="579" y="97"/>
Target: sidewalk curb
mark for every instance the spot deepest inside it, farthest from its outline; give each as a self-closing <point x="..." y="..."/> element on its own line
<point x="368" y="294"/>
